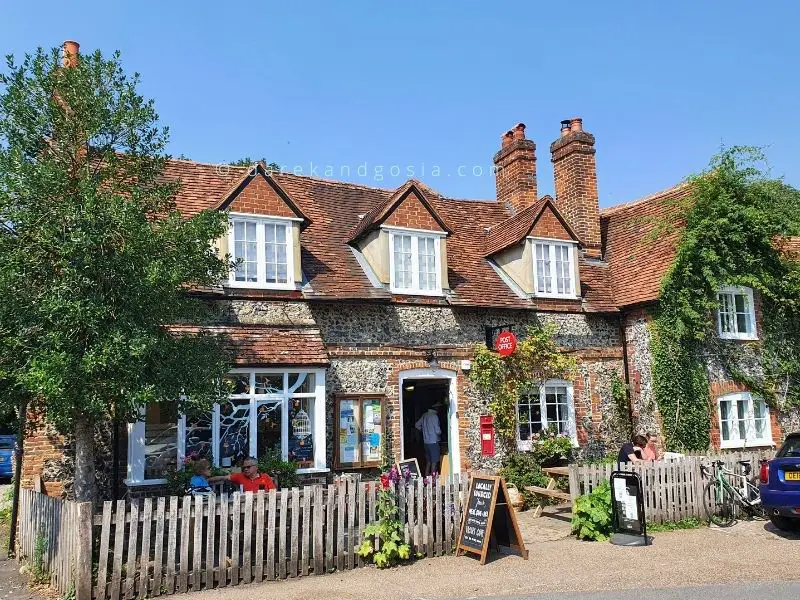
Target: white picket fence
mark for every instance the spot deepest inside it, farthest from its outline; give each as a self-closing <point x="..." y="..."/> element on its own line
<point x="673" y="490"/>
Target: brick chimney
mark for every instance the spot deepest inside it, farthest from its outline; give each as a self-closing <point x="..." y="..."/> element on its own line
<point x="515" y="170"/>
<point x="575" y="174"/>
<point x="71" y="53"/>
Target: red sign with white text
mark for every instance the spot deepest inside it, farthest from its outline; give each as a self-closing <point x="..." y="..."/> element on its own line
<point x="506" y="343"/>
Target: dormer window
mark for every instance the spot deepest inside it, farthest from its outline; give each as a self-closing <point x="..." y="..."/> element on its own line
<point x="736" y="318"/>
<point x="554" y="268"/>
<point x="415" y="262"/>
<point x="263" y="250"/>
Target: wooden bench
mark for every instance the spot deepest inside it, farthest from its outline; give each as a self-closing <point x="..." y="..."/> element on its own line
<point x="550" y="491"/>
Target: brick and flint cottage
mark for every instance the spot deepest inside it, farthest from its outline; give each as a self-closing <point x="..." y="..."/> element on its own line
<point x="353" y="309"/>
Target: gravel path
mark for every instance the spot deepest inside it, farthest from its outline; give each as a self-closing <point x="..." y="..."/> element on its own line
<point x="746" y="552"/>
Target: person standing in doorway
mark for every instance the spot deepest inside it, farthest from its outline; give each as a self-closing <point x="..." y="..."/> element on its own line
<point x="428" y="424"/>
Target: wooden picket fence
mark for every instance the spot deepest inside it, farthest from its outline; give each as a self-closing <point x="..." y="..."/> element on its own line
<point x="166" y="545"/>
<point x="63" y="532"/>
<point x="673" y="490"/>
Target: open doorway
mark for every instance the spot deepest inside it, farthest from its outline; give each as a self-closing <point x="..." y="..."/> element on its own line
<point x="418" y="397"/>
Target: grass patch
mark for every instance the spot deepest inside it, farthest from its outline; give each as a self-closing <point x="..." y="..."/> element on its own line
<point x="690" y="523"/>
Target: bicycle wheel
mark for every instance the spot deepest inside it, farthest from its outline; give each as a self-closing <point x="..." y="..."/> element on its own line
<point x="719" y="503"/>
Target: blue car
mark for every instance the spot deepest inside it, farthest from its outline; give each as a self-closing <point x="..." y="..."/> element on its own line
<point x="780" y="485"/>
<point x="7" y="443"/>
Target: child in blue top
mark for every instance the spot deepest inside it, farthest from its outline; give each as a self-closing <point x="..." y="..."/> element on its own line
<point x="199" y="482"/>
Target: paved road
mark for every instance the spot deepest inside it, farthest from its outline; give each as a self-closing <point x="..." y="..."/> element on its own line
<point x="773" y="590"/>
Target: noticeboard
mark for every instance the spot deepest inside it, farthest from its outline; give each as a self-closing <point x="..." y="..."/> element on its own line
<point x="489" y="517"/>
<point x="411" y="465"/>
<point x="627" y="505"/>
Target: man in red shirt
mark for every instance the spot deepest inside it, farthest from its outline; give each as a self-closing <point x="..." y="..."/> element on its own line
<point x="250" y="478"/>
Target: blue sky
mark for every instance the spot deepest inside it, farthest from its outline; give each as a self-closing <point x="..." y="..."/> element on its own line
<point x="425" y="85"/>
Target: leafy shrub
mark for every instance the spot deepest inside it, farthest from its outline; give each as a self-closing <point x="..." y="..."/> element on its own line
<point x="548" y="445"/>
<point x="178" y="481"/>
<point x="522" y="469"/>
<point x="689" y="523"/>
<point x="591" y="518"/>
<point x="283" y="471"/>
<point x="386" y="532"/>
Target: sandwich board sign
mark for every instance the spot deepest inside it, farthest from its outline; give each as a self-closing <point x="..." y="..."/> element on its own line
<point x="489" y="517"/>
<point x="627" y="510"/>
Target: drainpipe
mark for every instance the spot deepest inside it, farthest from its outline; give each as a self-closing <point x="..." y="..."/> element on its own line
<point x="625" y="368"/>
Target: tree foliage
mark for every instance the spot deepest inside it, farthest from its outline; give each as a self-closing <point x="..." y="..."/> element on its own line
<point x="95" y="260"/>
<point x="737" y="219"/>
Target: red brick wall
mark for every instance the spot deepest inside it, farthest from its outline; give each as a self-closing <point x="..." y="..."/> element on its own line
<point x="515" y="175"/>
<point x="41" y="446"/>
<point x="548" y="226"/>
<point x="575" y="175"/>
<point x="412" y="213"/>
<point x="259" y="198"/>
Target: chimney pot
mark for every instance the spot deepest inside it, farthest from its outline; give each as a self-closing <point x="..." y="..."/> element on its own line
<point x="564" y="127"/>
<point x="71" y="53"/>
<point x="508" y="137"/>
<point x="519" y="131"/>
<point x="576" y="124"/>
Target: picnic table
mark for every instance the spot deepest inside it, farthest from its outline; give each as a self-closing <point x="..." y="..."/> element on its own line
<point x="550" y="491"/>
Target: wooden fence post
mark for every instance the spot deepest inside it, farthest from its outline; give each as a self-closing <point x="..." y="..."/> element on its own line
<point x="83" y="561"/>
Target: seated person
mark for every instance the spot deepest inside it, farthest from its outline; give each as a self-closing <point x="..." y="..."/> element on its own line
<point x="632" y="451"/>
<point x="199" y="482"/>
<point x="650" y="450"/>
<point x="250" y="478"/>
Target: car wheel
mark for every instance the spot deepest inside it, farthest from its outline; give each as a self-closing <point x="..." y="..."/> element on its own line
<point x="785" y="523"/>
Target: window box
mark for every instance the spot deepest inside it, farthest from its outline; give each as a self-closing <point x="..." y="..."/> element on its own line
<point x="360" y="427"/>
<point x="736" y="317"/>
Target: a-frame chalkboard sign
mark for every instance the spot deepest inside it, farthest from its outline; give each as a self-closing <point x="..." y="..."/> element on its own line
<point x="489" y="517"/>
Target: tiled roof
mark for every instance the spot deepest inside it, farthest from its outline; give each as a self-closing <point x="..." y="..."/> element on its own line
<point x="517" y="227"/>
<point x="381" y="211"/>
<point x="261" y="345"/>
<point x="332" y="269"/>
<point x="638" y="255"/>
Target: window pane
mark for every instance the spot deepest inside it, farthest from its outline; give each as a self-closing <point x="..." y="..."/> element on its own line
<point x="198" y="436"/>
<point x="402" y="261"/>
<point x="234" y="431"/>
<point x="760" y="418"/>
<point x="556" y="403"/>
<point x="301" y="429"/>
<point x="371" y="429"/>
<point x="268" y="421"/>
<point x="741" y="418"/>
<point x="240" y="383"/>
<point x="427" y="263"/>
<point x="725" y="416"/>
<point x="349" y="428"/>
<point x="245" y="250"/>
<point x="269" y="383"/>
<point x="544" y="283"/>
<point x="301" y="383"/>
<point x="275" y="253"/>
<point x="563" y="270"/>
<point x="160" y="440"/>
<point x="725" y="314"/>
<point x="742" y="313"/>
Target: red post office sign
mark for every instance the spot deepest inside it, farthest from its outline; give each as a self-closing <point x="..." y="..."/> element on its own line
<point x="506" y="343"/>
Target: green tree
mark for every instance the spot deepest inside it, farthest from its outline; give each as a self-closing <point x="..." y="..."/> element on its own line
<point x="95" y="261"/>
<point x="271" y="167"/>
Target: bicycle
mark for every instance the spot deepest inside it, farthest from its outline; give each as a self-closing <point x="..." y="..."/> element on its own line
<point x="723" y="500"/>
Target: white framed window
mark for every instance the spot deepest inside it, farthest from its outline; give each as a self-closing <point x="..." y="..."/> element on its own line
<point x="415" y="262"/>
<point x="743" y="421"/>
<point x="554" y="268"/>
<point x="263" y="249"/>
<point x="551" y="405"/>
<point x="736" y="316"/>
<point x="268" y="408"/>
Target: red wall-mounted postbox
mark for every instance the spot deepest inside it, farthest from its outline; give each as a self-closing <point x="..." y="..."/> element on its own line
<point x="487" y="435"/>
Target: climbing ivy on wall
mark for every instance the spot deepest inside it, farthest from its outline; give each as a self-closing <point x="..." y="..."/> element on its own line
<point x="503" y="379"/>
<point x="735" y="222"/>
